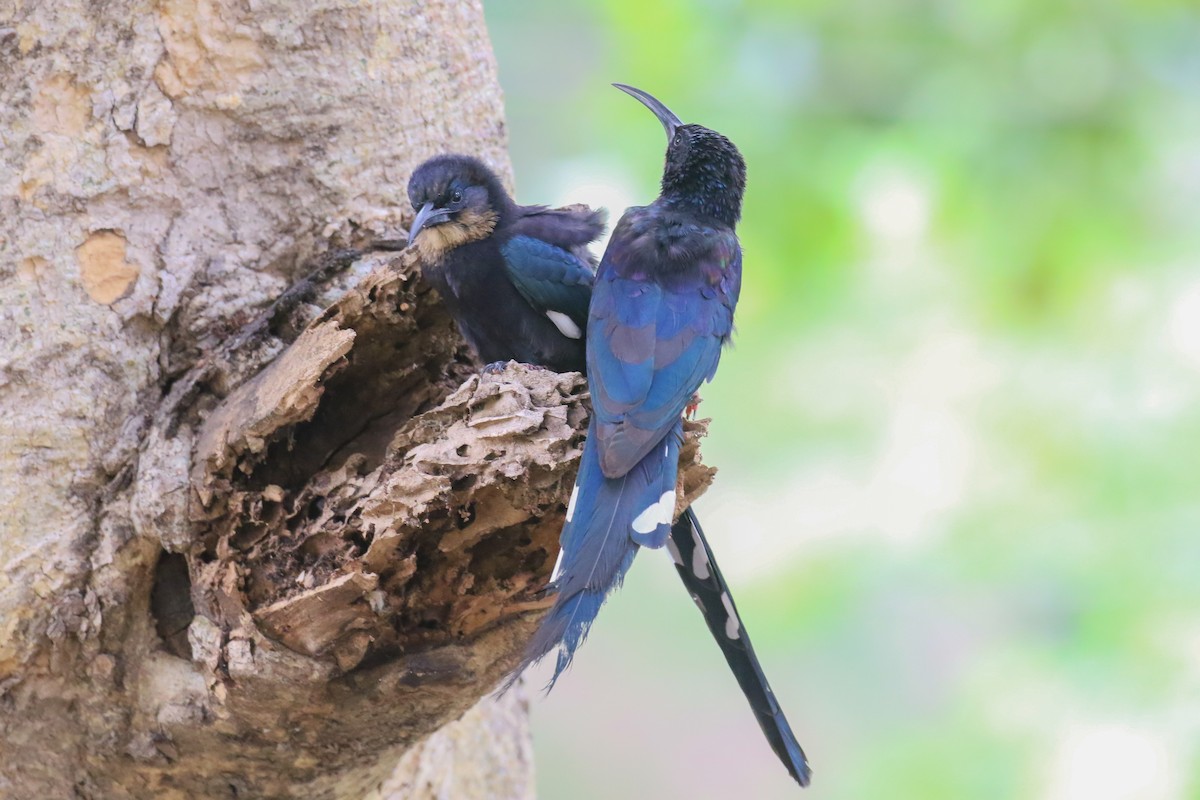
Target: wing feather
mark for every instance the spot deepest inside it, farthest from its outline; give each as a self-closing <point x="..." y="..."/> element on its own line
<point x="550" y="278"/>
<point x="651" y="344"/>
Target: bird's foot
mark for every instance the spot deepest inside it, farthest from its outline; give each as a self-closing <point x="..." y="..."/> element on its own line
<point x="689" y="411"/>
<point x="499" y="366"/>
<point x="493" y="368"/>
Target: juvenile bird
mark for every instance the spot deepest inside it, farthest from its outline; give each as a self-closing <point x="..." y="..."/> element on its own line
<point x="515" y="278"/>
<point x="661" y="310"/>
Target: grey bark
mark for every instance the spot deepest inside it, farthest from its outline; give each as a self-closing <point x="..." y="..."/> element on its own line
<point x="263" y="529"/>
<point x="165" y="170"/>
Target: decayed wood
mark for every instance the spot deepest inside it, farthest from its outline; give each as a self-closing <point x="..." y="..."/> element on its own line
<point x="166" y="170"/>
<point x="263" y="528"/>
<point x="384" y="567"/>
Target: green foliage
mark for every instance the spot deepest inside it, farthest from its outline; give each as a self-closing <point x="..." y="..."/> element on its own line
<point x="957" y="434"/>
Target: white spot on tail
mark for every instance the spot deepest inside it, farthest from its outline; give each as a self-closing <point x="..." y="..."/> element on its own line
<point x="571" y="502"/>
<point x="699" y="556"/>
<point x="674" y="551"/>
<point x="658" y="513"/>
<point x="566" y="326"/>
<point x="732" y="623"/>
<point x="557" y="567"/>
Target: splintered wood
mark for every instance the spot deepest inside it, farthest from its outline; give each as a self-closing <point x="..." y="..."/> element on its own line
<point x="373" y="523"/>
<point x="353" y="517"/>
<point x="439" y="539"/>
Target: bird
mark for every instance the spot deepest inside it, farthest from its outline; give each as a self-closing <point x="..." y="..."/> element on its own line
<point x="503" y="270"/>
<point x="661" y="311"/>
<point x="516" y="279"/>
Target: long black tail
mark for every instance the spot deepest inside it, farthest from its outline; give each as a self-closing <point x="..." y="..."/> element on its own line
<point x="698" y="569"/>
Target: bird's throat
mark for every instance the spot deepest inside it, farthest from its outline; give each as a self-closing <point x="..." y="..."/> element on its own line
<point x="435" y="242"/>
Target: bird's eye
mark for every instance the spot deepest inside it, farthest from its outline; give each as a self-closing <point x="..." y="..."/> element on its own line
<point x="456" y="197"/>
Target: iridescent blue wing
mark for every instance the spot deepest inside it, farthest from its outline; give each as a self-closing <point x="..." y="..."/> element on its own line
<point x="652" y="343"/>
<point x="552" y="279"/>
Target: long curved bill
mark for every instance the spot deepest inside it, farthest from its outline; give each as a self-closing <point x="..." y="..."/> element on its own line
<point x="669" y="121"/>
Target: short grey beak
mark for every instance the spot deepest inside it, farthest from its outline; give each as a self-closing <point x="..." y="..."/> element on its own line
<point x="428" y="215"/>
<point x="668" y="119"/>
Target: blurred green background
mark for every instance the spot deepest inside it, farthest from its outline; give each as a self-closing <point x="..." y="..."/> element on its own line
<point x="959" y="432"/>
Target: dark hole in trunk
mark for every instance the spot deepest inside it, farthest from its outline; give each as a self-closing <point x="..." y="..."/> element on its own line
<point x="171" y="603"/>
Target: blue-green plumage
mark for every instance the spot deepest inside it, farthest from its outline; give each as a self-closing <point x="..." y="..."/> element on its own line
<point x="549" y="277"/>
<point x="518" y="281"/>
<point x="515" y="278"/>
<point x="661" y="310"/>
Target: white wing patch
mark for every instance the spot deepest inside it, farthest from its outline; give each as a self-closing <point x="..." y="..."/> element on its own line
<point x="732" y="623"/>
<point x="658" y="513"/>
<point x="557" y="567"/>
<point x="566" y="326"/>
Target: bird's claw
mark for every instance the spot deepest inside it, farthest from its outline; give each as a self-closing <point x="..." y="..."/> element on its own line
<point x="493" y="368"/>
<point x="499" y="366"/>
<point x="689" y="411"/>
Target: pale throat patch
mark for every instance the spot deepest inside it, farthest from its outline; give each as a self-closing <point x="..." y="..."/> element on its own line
<point x="434" y="242"/>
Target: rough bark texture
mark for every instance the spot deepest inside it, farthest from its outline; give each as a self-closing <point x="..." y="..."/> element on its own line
<point x="263" y="529"/>
<point x="476" y="756"/>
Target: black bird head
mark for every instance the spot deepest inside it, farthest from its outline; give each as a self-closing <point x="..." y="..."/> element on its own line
<point x="704" y="171"/>
<point x="457" y="200"/>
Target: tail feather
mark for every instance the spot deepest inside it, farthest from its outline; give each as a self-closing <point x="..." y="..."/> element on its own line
<point x="570" y="626"/>
<point x="698" y="569"/>
<point x="607" y="521"/>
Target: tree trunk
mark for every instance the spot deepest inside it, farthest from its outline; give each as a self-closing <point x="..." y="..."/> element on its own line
<point x="165" y="170"/>
<point x="263" y="528"/>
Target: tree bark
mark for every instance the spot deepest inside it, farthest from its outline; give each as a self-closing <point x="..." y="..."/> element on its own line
<point x="263" y="528"/>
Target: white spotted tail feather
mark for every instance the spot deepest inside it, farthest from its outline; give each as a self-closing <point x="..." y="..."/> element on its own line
<point x="608" y="519"/>
<point x="698" y="569"/>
